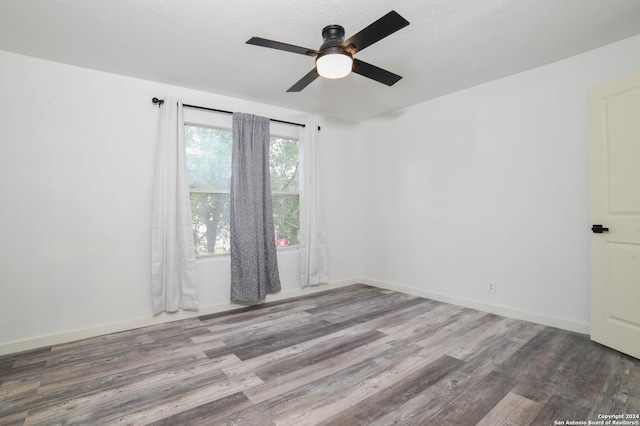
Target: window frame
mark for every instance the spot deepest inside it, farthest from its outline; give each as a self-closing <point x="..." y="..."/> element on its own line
<point x="205" y="119"/>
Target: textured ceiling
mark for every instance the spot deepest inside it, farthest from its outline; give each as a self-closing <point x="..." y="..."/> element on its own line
<point x="450" y="44"/>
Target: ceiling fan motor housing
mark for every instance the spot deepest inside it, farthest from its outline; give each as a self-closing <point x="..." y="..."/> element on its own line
<point x="333" y="36"/>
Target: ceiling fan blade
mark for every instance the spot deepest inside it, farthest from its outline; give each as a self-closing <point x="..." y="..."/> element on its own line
<point x="375" y="73"/>
<point x="304" y="81"/>
<point x="257" y="41"/>
<point x="383" y="27"/>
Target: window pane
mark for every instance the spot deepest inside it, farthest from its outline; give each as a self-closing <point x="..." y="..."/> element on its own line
<point x="283" y="164"/>
<point x="210" y="223"/>
<point x="286" y="219"/>
<point x="208" y="157"/>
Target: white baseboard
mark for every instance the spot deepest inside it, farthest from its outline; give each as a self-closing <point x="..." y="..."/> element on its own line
<point x="504" y="311"/>
<point x="56" y="339"/>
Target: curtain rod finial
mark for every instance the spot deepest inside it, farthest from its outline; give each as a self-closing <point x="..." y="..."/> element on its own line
<point x="157" y="101"/>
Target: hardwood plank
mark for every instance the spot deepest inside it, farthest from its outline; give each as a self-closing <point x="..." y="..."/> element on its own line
<point x="475" y="402"/>
<point x="281" y="356"/>
<point x="90" y="407"/>
<point x="620" y="393"/>
<point x="279" y="339"/>
<point x="159" y="334"/>
<point x="401" y="315"/>
<point x="436" y="315"/>
<point x="22" y="370"/>
<point x="112" y="356"/>
<point x="331" y="349"/>
<point x="18" y="390"/>
<point x="587" y="372"/>
<point x="632" y="395"/>
<point x="366" y="309"/>
<point x="421" y="409"/>
<point x="390" y="397"/>
<point x="63" y="390"/>
<point x="356" y="302"/>
<point x="560" y="409"/>
<point x="258" y="327"/>
<point x="426" y="324"/>
<point x="14" y="419"/>
<point x="11" y="361"/>
<point x="292" y="380"/>
<point x="207" y="414"/>
<point x="513" y="410"/>
<point x="257" y="415"/>
<point x="453" y="336"/>
<point x="257" y="310"/>
<point x="171" y="405"/>
<point x="248" y="320"/>
<point x="502" y="345"/>
<point x="313" y="402"/>
<point x="81" y="371"/>
<point x="539" y="366"/>
<point x="496" y="334"/>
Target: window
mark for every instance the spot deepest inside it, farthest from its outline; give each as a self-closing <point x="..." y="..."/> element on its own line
<point x="209" y="170"/>
<point x="283" y="167"/>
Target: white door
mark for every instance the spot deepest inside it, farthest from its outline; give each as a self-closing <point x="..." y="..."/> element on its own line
<point x="614" y="138"/>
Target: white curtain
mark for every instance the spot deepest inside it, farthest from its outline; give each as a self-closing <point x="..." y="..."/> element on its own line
<point x="173" y="261"/>
<point x="313" y="235"/>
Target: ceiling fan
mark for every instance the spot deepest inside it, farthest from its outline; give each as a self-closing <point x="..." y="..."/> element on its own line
<point x="335" y="58"/>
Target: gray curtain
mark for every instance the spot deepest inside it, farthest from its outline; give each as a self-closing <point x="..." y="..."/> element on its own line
<point x="254" y="265"/>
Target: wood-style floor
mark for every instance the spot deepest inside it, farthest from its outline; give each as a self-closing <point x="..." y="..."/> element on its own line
<point x="351" y="356"/>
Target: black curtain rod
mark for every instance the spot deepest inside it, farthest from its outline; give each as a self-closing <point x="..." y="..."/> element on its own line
<point x="161" y="101"/>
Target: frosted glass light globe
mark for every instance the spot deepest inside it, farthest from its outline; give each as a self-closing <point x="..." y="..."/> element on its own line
<point x="334" y="65"/>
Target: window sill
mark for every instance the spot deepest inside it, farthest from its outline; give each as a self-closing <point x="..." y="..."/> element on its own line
<point x="223" y="256"/>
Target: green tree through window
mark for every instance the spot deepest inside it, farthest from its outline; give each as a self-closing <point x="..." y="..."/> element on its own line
<point x="208" y="152"/>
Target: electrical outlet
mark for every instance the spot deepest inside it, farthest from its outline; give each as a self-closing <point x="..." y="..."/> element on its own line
<point x="491" y="287"/>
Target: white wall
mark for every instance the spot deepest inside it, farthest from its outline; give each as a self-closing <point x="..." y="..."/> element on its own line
<point x="76" y="167"/>
<point x="490" y="183"/>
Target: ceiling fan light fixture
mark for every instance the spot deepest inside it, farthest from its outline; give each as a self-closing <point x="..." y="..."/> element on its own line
<point x="334" y="65"/>
<point x="334" y="58"/>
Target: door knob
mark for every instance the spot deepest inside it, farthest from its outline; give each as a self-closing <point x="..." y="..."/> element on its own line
<point x="598" y="229"/>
